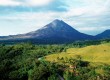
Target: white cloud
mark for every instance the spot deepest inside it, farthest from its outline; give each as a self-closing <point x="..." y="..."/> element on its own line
<point x="75" y="12"/>
<point x="87" y="28"/>
<point x="88" y="7"/>
<point x="37" y="2"/>
<point x="30" y="16"/>
<point x="24" y="2"/>
<point x="9" y="3"/>
<point x="24" y="22"/>
<point x="93" y="30"/>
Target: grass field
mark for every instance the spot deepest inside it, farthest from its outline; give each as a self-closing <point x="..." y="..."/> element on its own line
<point x="94" y="54"/>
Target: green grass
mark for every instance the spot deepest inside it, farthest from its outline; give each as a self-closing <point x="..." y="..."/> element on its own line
<point x="94" y="54"/>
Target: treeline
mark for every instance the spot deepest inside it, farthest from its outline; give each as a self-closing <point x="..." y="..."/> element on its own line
<point x="51" y="41"/>
<point x="87" y="43"/>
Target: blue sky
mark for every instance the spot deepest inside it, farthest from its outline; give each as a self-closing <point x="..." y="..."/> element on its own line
<point x="22" y="16"/>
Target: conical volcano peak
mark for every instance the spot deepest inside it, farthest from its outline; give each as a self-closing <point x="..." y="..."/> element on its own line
<point x="59" y="25"/>
<point x="56" y="24"/>
<point x="56" y="31"/>
<point x="57" y="20"/>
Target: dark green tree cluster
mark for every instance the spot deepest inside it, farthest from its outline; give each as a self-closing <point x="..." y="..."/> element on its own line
<point x="20" y="61"/>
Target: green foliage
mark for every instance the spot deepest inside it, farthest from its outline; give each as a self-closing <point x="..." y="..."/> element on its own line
<point x="20" y="61"/>
<point x="53" y="77"/>
<point x="68" y="75"/>
<point x="39" y="73"/>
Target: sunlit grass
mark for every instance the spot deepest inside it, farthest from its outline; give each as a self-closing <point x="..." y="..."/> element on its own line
<point x="94" y="53"/>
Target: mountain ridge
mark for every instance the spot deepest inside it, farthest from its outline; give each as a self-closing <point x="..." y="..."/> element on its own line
<point x="56" y="31"/>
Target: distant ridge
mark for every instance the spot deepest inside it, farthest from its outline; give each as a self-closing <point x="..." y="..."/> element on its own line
<point x="105" y="34"/>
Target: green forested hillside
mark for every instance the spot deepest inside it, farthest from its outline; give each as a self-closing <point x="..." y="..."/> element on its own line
<point x="75" y="61"/>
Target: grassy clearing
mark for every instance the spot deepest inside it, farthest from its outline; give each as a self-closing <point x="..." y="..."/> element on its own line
<point x="95" y="54"/>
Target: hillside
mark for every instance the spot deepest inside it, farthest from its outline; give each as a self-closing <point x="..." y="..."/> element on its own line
<point x="94" y="53"/>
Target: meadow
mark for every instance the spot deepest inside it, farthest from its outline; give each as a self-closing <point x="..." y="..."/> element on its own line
<point x="94" y="53"/>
